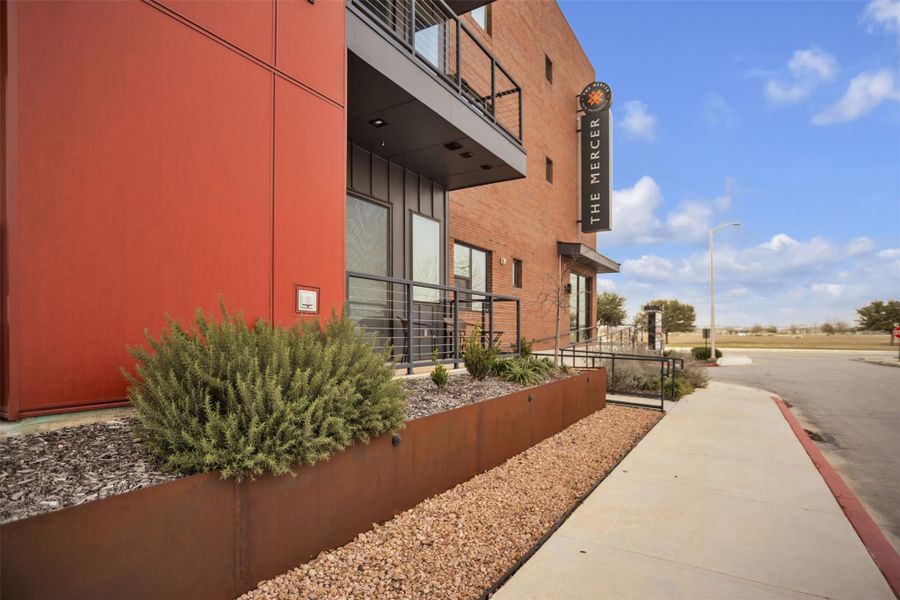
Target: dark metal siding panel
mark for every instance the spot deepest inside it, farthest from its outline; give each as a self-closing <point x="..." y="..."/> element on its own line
<point x="361" y="165"/>
<point x="380" y="178"/>
<point x="412" y="191"/>
<point x="426" y="206"/>
<point x="398" y="212"/>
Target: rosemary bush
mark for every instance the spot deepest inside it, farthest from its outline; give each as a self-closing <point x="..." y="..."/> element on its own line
<point x="226" y="397"/>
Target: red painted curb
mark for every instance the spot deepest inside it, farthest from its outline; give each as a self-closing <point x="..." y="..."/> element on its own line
<point x="879" y="547"/>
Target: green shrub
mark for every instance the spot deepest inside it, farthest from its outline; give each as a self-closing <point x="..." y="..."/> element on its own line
<point x="704" y="353"/>
<point x="479" y="358"/>
<point x="681" y="385"/>
<point x="525" y="371"/>
<point x="524" y="348"/>
<point x="695" y="374"/>
<point x="225" y="397"/>
<point x="440" y="375"/>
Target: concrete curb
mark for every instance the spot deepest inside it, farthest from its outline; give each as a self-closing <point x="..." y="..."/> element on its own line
<point x="873" y="361"/>
<point x="880" y="549"/>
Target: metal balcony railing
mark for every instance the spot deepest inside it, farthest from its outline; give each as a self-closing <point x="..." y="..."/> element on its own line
<point x="415" y="319"/>
<point x="431" y="32"/>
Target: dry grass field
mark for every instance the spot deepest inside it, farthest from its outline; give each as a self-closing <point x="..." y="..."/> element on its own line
<point x="812" y="341"/>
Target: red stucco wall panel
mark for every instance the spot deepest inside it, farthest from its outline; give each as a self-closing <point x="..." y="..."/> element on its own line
<point x="310" y="151"/>
<point x="144" y="187"/>
<point x="306" y="48"/>
<point x="245" y="23"/>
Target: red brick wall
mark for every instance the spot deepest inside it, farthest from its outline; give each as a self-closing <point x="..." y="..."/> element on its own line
<point x="525" y="218"/>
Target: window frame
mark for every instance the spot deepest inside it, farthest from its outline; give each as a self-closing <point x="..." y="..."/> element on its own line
<point x="412" y="246"/>
<point x="575" y="296"/>
<point x="488" y="18"/>
<point x="517" y="273"/>
<point x="466" y="299"/>
<point x="390" y="225"/>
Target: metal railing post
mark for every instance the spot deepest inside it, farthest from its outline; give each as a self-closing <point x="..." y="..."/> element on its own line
<point x="409" y="329"/>
<point x="662" y="385"/>
<point x="458" y="56"/>
<point x="519" y="94"/>
<point x="613" y="386"/>
<point x="494" y="88"/>
<point x="519" y="326"/>
<point x="456" y="340"/>
<point x="412" y="25"/>
<point x="491" y="321"/>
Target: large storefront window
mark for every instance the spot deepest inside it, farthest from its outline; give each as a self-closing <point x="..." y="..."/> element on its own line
<point x="470" y="271"/>
<point x="579" y="308"/>
<point x="426" y="257"/>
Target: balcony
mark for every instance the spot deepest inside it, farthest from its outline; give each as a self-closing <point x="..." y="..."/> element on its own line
<point x="426" y="93"/>
<point x="434" y="323"/>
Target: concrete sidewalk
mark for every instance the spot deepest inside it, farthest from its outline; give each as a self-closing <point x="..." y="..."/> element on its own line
<point x="720" y="500"/>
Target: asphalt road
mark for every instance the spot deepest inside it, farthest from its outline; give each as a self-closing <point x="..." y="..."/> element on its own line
<point x="854" y="405"/>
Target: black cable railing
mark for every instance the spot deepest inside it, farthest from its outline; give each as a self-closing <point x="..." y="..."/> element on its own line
<point x="432" y="32"/>
<point x="418" y="322"/>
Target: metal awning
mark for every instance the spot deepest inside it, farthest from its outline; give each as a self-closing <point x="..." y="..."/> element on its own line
<point x="586" y="255"/>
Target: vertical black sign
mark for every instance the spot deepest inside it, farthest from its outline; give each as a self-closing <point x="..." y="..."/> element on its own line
<point x="596" y="171"/>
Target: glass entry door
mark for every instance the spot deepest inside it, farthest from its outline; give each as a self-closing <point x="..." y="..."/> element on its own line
<point x="579" y="308"/>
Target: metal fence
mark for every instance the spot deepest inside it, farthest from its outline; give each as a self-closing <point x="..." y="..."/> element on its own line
<point x="418" y="320"/>
<point x="592" y="359"/>
<point x="432" y="32"/>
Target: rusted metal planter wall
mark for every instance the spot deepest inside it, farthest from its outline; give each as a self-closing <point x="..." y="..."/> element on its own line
<point x="203" y="537"/>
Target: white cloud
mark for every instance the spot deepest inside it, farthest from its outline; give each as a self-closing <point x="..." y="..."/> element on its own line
<point x="808" y="68"/>
<point x="718" y="112"/>
<point x="860" y="245"/>
<point x="882" y="13"/>
<point x="813" y="62"/>
<point x="638" y="122"/>
<point x="782" y="280"/>
<point x="636" y="220"/>
<point x="865" y="92"/>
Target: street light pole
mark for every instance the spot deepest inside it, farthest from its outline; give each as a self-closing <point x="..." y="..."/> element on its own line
<point x="712" y="291"/>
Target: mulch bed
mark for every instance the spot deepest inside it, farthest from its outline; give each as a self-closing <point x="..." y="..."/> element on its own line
<point x="47" y="471"/>
<point x="457" y="544"/>
<point x="424" y="398"/>
<point x="50" y="470"/>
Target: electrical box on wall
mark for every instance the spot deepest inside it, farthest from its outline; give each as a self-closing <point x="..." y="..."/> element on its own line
<point x="307" y="300"/>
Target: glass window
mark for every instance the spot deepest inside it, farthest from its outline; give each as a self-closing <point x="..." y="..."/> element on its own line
<point x="548" y="68"/>
<point x="426" y="257"/>
<point x="367" y="237"/>
<point x="517" y="273"/>
<point x="549" y="173"/>
<point x="482" y="16"/>
<point x="429" y="44"/>
<point x="579" y="307"/>
<point x="368" y="251"/>
<point x="470" y="271"/>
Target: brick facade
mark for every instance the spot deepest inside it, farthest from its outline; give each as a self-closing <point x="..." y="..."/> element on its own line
<point x="524" y="219"/>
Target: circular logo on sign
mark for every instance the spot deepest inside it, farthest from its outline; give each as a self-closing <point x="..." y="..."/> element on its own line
<point x="596" y="97"/>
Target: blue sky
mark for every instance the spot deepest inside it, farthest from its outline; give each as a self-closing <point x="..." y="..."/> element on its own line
<point x="784" y="116"/>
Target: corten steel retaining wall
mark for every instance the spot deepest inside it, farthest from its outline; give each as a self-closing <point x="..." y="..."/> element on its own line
<point x="203" y="537"/>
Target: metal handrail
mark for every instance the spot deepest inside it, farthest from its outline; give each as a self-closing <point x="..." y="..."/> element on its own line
<point x="668" y="368"/>
<point x="399" y="19"/>
<point x="457" y="299"/>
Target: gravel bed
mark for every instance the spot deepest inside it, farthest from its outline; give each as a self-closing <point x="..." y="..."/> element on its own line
<point x="424" y="398"/>
<point x="46" y="471"/>
<point x="457" y="544"/>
